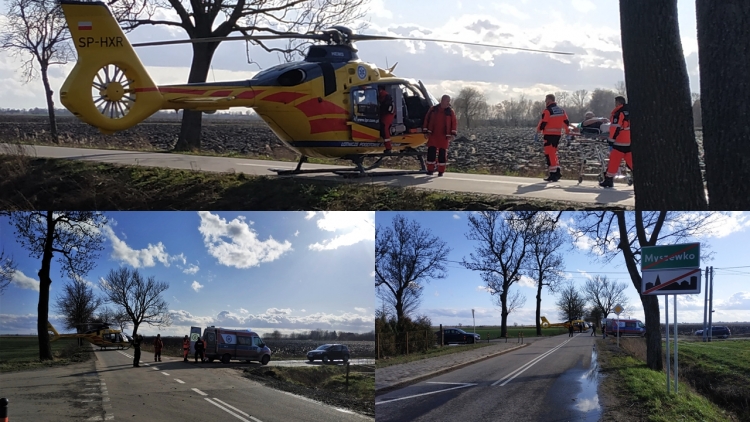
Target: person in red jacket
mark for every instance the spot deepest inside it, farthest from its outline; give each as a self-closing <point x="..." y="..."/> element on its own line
<point x="619" y="138"/>
<point x="387" y="112"/>
<point x="440" y="129"/>
<point x="553" y="123"/>
<point x="185" y="348"/>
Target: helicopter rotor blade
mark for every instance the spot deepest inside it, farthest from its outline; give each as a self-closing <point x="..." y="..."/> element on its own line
<point x="362" y="37"/>
<point x="235" y="38"/>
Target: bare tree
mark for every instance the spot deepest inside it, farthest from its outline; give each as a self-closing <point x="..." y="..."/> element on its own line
<point x="140" y="298"/>
<point x="500" y="253"/>
<point x="220" y="18"/>
<point x="470" y="105"/>
<point x="602" y="102"/>
<point x="571" y="302"/>
<point x="663" y="137"/>
<point x="562" y="98"/>
<point x="515" y="301"/>
<point x="77" y="304"/>
<point x="603" y="294"/>
<point x="621" y="89"/>
<point x="407" y="257"/>
<point x="113" y="317"/>
<point x="545" y="260"/>
<point x="8" y="269"/>
<point x="74" y="236"/>
<point x="615" y="232"/>
<point x="723" y="52"/>
<point x="580" y="98"/>
<point x="36" y="30"/>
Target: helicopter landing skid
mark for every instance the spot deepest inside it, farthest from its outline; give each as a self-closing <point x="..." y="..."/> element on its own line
<point x="360" y="170"/>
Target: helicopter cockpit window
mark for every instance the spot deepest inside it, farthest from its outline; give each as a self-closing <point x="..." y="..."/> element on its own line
<point x="365" y="103"/>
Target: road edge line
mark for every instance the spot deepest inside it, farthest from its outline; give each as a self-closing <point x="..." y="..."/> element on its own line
<point x="418" y="378"/>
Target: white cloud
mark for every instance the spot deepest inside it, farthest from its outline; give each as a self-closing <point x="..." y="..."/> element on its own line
<point x="739" y="301"/>
<point x="310" y="215"/>
<point x="583" y="6"/>
<point x="137" y="258"/>
<point x="191" y="269"/>
<point x="485" y="289"/>
<point x="235" y="244"/>
<point x="372" y="274"/>
<point x="456" y="217"/>
<point x="527" y="281"/>
<point x="196" y="286"/>
<point x="296" y="233"/>
<point x="724" y="224"/>
<point x="360" y="310"/>
<point x="354" y="227"/>
<point x="22" y="281"/>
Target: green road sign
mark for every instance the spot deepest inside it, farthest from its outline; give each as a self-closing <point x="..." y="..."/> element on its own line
<point x="686" y="255"/>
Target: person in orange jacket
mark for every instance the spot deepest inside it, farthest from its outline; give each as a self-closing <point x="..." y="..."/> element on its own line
<point x="158" y="345"/>
<point x="553" y="123"/>
<point x="439" y="128"/>
<point x="387" y="112"/>
<point x="186" y="348"/>
<point x="619" y="138"/>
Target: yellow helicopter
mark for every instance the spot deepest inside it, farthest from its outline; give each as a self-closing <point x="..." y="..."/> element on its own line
<point x="102" y="336"/>
<point x="324" y="106"/>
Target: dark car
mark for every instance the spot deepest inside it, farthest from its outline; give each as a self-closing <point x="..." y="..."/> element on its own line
<point x="717" y="331"/>
<point x="329" y="352"/>
<point x="457" y="335"/>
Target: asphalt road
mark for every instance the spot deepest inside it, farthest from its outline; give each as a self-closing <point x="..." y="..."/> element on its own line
<point x="112" y="389"/>
<point x="564" y="190"/>
<point x="552" y="379"/>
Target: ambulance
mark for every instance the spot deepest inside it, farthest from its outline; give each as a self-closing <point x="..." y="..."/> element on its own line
<point x="227" y="344"/>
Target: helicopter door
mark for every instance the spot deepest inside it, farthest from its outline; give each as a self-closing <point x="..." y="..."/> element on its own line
<point x="427" y="95"/>
<point x="365" y="124"/>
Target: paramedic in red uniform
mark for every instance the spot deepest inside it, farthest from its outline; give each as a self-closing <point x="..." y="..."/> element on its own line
<point x="553" y="123"/>
<point x="619" y="137"/>
<point x="185" y="348"/>
<point x="440" y="129"/>
<point x="387" y="113"/>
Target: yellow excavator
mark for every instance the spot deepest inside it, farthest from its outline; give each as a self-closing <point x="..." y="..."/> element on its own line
<point x="575" y="322"/>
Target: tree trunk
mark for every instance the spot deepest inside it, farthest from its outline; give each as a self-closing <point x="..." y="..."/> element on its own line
<point x="653" y="332"/>
<point x="504" y="313"/>
<point x="665" y="152"/>
<point x="50" y="106"/>
<point x="538" y="307"/>
<point x="45" y="349"/>
<point x="190" y="131"/>
<point x="724" y="51"/>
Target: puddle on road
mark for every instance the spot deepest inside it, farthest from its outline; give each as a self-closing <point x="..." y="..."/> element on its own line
<point x="587" y="400"/>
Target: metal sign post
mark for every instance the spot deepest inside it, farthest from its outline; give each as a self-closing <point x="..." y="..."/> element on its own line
<point x="705" y="308"/>
<point x="710" y="327"/>
<point x="475" y="321"/>
<point x="674" y="269"/>
<point x="618" y="310"/>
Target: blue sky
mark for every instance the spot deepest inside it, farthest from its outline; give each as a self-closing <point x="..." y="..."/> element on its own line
<point x="449" y="301"/>
<point x="591" y="29"/>
<point x="260" y="270"/>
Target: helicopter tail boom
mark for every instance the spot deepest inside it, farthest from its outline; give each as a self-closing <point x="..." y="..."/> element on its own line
<point x="108" y="88"/>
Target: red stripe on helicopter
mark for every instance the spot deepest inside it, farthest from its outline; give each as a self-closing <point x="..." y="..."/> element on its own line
<point x="249" y="95"/>
<point x="317" y="107"/>
<point x="360" y="135"/>
<point x="284" y="97"/>
<point x="221" y="93"/>
<point x="327" y="125"/>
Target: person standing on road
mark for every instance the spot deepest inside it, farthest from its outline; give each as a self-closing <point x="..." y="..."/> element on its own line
<point x="570" y="330"/>
<point x="593" y="329"/>
<point x="553" y="123"/>
<point x="440" y="128"/>
<point x="137" y="344"/>
<point x="185" y="348"/>
<point x="158" y="344"/>
<point x="619" y="138"/>
<point x="199" y="348"/>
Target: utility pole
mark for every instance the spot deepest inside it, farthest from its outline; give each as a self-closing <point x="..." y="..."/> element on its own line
<point x="711" y="306"/>
<point x="705" y="306"/>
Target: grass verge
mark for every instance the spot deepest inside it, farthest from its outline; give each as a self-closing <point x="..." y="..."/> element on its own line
<point x="431" y="353"/>
<point x="34" y="183"/>
<point x="22" y="353"/>
<point x="635" y="392"/>
<point x="513" y="332"/>
<point x="325" y="383"/>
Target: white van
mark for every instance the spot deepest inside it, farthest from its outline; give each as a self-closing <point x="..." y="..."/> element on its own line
<point x="227" y="344"/>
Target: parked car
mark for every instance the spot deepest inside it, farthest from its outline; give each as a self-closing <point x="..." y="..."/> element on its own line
<point x="329" y="352"/>
<point x="457" y="335"/>
<point x="717" y="331"/>
<point x="628" y="327"/>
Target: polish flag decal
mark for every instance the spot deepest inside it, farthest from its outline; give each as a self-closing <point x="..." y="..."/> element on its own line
<point x="84" y="26"/>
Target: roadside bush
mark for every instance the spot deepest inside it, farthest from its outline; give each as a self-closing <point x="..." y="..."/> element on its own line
<point x="408" y="336"/>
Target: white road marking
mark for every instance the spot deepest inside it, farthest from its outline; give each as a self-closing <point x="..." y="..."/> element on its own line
<point x="508" y="378"/>
<point x="165" y="373"/>
<point x="232" y="407"/>
<point x="199" y="392"/>
<point x="230" y="412"/>
<point x="155" y="368"/>
<point x="464" y="385"/>
<point x="180" y="381"/>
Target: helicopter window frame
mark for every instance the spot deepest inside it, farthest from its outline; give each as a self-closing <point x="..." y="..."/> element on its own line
<point x="367" y="96"/>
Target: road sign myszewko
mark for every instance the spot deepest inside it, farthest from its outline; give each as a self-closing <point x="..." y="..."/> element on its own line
<point x="673" y="269"/>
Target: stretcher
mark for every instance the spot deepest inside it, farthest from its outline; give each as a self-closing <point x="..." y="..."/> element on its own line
<point x="593" y="148"/>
